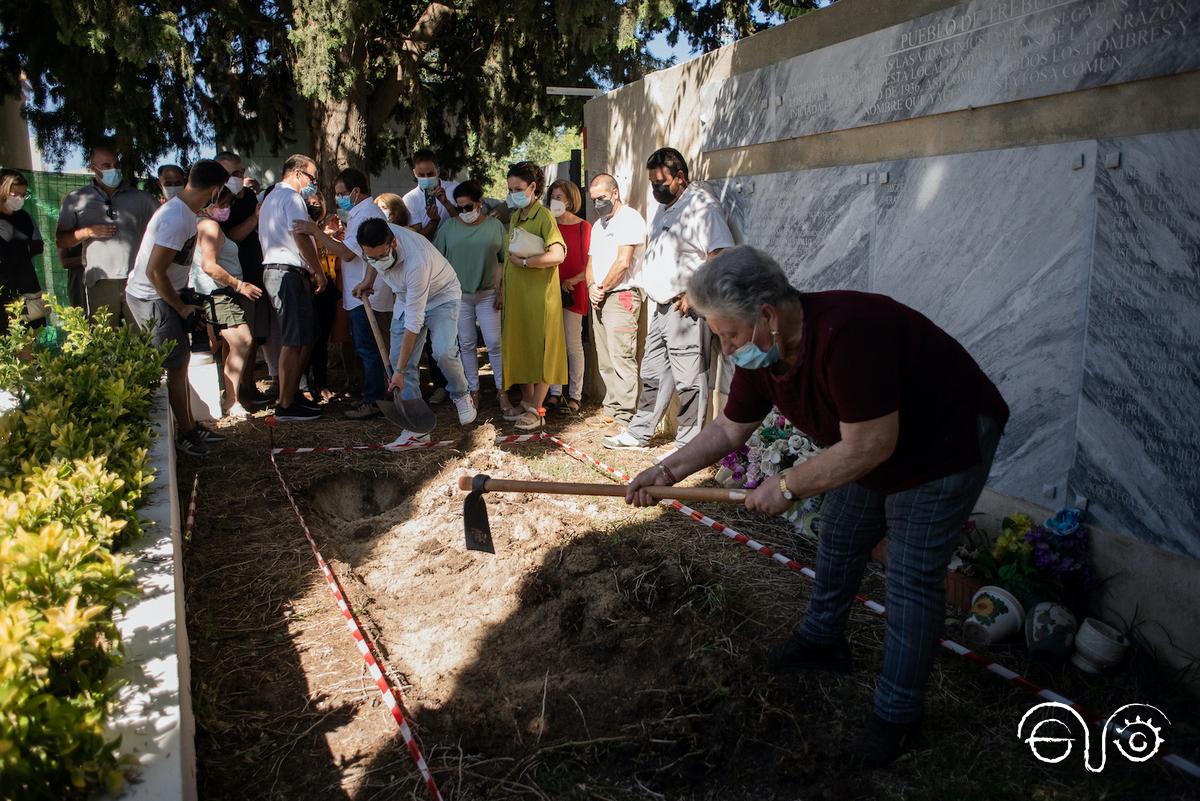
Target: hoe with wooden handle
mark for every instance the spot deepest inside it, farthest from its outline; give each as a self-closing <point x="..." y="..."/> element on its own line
<point x="475" y="516"/>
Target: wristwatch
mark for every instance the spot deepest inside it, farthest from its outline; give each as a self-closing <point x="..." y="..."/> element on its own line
<point x="787" y="493"/>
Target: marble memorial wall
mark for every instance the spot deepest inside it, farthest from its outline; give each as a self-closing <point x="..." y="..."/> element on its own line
<point x="970" y="55"/>
<point x="1071" y="272"/>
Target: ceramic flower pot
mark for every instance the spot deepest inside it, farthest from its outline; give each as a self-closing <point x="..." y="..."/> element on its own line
<point x="1098" y="646"/>
<point x="995" y="615"/>
<point x="1050" y="631"/>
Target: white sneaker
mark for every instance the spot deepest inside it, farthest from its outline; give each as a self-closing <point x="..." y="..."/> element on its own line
<point x="408" y="438"/>
<point x="237" y="412"/>
<point x="622" y="440"/>
<point x="466" y="410"/>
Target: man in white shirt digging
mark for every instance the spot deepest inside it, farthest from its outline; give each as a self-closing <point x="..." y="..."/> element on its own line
<point x="428" y="294"/>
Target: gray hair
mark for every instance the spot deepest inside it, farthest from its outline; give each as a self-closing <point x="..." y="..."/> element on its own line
<point x="737" y="282"/>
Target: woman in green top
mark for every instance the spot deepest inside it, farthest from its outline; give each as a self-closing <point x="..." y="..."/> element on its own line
<point x="533" y="344"/>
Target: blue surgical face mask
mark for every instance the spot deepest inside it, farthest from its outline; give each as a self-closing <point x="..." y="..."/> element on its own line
<point x="344" y="203"/>
<point x="111" y="178"/>
<point x="518" y="200"/>
<point x="427" y="183"/>
<point x="752" y="357"/>
<point x="308" y="191"/>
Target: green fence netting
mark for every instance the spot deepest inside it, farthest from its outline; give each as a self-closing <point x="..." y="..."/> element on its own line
<point x="46" y="191"/>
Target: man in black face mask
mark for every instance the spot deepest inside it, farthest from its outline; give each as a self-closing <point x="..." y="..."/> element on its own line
<point x="686" y="229"/>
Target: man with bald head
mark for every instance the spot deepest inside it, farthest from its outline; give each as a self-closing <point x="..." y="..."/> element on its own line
<point x="107" y="218"/>
<point x="618" y="240"/>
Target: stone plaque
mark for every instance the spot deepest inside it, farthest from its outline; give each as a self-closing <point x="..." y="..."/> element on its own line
<point x="1138" y="460"/>
<point x="816" y="223"/>
<point x="970" y="55"/>
<point x="746" y="96"/>
<point x="993" y="248"/>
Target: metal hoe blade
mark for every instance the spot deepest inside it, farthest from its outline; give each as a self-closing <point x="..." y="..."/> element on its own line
<point x="475" y="518"/>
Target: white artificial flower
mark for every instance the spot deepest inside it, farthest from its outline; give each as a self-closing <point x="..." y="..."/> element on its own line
<point x="755" y="440"/>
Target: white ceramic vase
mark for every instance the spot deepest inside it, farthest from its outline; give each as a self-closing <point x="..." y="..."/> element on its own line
<point x="995" y="615"/>
<point x="1050" y="631"/>
<point x="1098" y="646"/>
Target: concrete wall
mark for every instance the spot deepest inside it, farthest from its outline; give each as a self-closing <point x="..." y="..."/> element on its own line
<point x="1041" y="214"/>
<point x="15" y="150"/>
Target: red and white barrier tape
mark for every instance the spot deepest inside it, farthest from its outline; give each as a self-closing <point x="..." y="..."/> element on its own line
<point x="190" y="521"/>
<point x="514" y="438"/>
<point x="993" y="667"/>
<point x="408" y="446"/>
<point x="360" y="641"/>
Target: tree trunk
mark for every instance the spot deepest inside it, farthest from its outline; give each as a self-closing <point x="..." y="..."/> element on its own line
<point x="338" y="133"/>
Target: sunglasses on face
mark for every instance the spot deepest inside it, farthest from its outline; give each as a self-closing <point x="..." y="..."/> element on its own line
<point x="466" y="207"/>
<point x="311" y="178"/>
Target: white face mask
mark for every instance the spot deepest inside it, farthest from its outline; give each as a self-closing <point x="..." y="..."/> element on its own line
<point x="558" y="208"/>
<point x="171" y="191"/>
<point x="234" y="184"/>
<point x="469" y="216"/>
<point x="385" y="263"/>
<point x="14" y="203"/>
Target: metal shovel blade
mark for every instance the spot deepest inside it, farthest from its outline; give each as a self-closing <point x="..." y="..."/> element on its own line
<point x="476" y="527"/>
<point x="414" y="415"/>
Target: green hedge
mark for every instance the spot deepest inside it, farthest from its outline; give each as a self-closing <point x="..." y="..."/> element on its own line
<point x="73" y="468"/>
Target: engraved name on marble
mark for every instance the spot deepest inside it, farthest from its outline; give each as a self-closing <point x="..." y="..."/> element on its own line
<point x="971" y="55"/>
<point x="1139" y="451"/>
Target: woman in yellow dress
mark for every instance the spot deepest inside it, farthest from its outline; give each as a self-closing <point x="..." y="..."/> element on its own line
<point x="533" y="344"/>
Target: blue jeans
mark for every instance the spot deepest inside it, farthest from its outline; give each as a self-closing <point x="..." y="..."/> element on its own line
<point x="374" y="378"/>
<point x="923" y="526"/>
<point x="441" y="327"/>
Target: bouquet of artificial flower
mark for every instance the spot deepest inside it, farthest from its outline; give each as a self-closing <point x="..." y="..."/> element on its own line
<point x="776" y="446"/>
<point x="1040" y="562"/>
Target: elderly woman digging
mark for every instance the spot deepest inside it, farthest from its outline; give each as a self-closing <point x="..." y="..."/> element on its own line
<point x="910" y="423"/>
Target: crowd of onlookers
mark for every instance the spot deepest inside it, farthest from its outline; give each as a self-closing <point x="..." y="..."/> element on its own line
<point x="442" y="270"/>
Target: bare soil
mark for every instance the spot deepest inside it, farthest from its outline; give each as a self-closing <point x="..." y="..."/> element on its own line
<point x="602" y="653"/>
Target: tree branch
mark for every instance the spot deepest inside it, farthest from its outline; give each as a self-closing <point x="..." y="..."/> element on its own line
<point x="417" y="43"/>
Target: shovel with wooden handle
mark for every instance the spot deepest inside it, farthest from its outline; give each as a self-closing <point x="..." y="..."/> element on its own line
<point x="479" y="531"/>
<point x="414" y="415"/>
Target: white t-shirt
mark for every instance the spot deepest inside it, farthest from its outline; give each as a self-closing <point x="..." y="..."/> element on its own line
<point x="173" y="226"/>
<point x="279" y="212"/>
<point x="681" y="237"/>
<point x="626" y="227"/>
<point x="354" y="270"/>
<point x="421" y="278"/>
<point x="414" y="200"/>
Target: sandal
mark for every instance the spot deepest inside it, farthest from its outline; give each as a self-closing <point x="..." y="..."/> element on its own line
<point x="572" y="406"/>
<point x="552" y="403"/>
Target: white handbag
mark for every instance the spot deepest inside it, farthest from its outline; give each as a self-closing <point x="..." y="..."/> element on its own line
<point x="524" y="245"/>
<point x="35" y="306"/>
